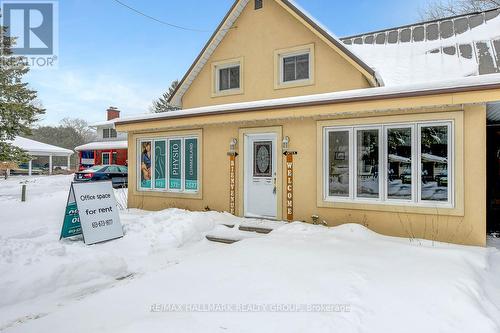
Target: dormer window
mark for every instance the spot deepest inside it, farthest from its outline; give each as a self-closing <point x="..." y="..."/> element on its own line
<point x="108" y="133"/>
<point x="227" y="77"/>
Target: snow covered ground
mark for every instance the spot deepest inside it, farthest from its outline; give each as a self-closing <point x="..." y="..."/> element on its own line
<point x="163" y="275"/>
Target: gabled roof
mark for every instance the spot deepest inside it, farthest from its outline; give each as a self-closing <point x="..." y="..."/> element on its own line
<point x="39" y="148"/>
<point x="228" y="21"/>
<point x="448" y="48"/>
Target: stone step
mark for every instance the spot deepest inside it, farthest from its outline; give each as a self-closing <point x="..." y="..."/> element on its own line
<point x="229" y="235"/>
<point x="260" y="230"/>
<point x="220" y="239"/>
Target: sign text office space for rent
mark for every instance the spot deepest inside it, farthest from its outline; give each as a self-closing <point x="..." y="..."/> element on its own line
<point x="91" y="210"/>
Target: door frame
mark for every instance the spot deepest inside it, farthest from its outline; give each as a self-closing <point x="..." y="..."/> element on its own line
<point x="279" y="166"/>
<point x="109" y="157"/>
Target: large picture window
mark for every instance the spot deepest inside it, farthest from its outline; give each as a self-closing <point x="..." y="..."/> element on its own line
<point x="172" y="165"/>
<point x="388" y="164"/>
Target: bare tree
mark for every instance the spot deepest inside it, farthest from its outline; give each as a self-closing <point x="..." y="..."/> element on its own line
<point x="81" y="126"/>
<point x="436" y="9"/>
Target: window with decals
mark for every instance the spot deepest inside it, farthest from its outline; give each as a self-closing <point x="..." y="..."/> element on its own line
<point x="169" y="164"/>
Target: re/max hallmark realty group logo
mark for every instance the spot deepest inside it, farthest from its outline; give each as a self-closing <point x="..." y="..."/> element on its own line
<point x="34" y="26"/>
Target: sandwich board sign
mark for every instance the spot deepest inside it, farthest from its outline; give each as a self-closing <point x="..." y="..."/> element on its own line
<point x="91" y="210"/>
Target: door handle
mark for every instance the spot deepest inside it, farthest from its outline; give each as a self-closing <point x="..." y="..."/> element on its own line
<point x="274" y="185"/>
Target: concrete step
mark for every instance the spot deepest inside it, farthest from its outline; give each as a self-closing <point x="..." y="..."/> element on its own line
<point x="260" y="230"/>
<point x="229" y="235"/>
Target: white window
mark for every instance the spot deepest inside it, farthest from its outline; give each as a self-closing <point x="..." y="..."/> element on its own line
<point x="228" y="77"/>
<point x="407" y="163"/>
<point x="295" y="67"/>
<point x="108" y="133"/>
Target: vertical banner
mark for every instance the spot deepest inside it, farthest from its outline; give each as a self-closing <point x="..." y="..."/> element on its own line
<point x="191" y="164"/>
<point x="175" y="156"/>
<point x="146" y="164"/>
<point x="160" y="157"/>
<point x="289" y="185"/>
<point x="232" y="184"/>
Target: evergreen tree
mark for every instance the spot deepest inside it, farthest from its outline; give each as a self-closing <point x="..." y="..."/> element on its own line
<point x="161" y="104"/>
<point x="19" y="109"/>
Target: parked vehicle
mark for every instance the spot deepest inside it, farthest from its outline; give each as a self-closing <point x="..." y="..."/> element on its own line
<point x="118" y="174"/>
<point x="442" y="179"/>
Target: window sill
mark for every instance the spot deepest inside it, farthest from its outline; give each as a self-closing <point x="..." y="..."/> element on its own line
<point x="169" y="194"/>
<point x="293" y="84"/>
<point x="393" y="207"/>
<point x="230" y="92"/>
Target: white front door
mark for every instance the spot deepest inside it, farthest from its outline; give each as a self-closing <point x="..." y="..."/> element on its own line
<point x="260" y="175"/>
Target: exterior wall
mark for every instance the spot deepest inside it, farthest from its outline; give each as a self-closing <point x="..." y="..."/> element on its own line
<point x="466" y="224"/>
<point x="120" y="136"/>
<point x="255" y="38"/>
<point x="121" y="156"/>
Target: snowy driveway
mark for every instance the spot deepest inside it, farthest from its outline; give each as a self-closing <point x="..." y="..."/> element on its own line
<point x="163" y="276"/>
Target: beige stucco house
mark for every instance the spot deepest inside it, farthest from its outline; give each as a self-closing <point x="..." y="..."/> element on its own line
<point x="282" y="120"/>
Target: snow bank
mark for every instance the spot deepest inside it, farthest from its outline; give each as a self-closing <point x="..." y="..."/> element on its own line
<point x="384" y="284"/>
<point x="34" y="263"/>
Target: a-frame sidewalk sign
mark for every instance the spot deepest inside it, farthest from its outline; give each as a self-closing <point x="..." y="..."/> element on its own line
<point x="92" y="210"/>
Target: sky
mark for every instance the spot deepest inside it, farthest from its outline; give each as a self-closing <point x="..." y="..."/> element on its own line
<point x="111" y="56"/>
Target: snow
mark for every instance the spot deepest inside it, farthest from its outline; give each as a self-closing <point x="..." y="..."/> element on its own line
<point x="413" y="62"/>
<point x="360" y="281"/>
<point x="337" y="96"/>
<point x="103" y="145"/>
<point x="35" y="148"/>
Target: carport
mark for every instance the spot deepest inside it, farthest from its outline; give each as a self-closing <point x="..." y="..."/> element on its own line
<point x="35" y="149"/>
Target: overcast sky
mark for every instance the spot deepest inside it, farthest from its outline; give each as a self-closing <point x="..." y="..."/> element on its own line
<point x="109" y="55"/>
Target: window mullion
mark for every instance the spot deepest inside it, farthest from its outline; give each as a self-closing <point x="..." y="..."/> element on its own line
<point x="354" y="162"/>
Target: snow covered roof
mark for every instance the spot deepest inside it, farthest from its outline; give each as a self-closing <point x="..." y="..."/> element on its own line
<point x="38" y="148"/>
<point x="103" y="145"/>
<point x="449" y="48"/>
<point x="415" y="89"/>
<point x="109" y="123"/>
<point x="227" y="23"/>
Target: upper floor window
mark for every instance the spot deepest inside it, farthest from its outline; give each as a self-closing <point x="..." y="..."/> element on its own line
<point x="294" y="67"/>
<point x="227" y="76"/>
<point x="108" y="133"/>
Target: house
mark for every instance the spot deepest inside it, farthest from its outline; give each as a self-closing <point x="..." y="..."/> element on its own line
<point x="111" y="147"/>
<point x="282" y="120"/>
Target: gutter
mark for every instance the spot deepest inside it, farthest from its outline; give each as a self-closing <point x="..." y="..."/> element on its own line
<point x="329" y="101"/>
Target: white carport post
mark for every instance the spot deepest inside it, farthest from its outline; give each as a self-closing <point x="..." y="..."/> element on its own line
<point x="30" y="167"/>
<point x="69" y="161"/>
<point x="50" y="164"/>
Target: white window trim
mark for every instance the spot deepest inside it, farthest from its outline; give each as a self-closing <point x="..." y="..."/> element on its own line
<point x="109" y="158"/>
<point x="416" y="200"/>
<point x="282" y="67"/>
<point x="167" y="188"/>
<point x="218" y="68"/>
